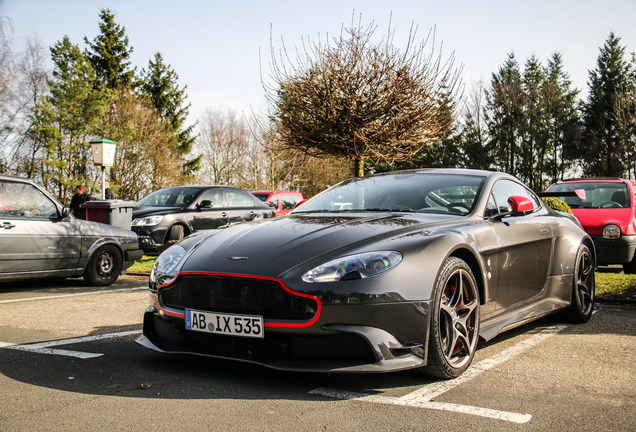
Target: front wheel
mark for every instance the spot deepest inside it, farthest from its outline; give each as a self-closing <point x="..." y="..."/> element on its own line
<point x="454" y="330"/>
<point x="104" y="266"/>
<point x="583" y="289"/>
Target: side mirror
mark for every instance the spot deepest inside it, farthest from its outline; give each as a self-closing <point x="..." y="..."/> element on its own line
<point x="66" y="212"/>
<point x="204" y="204"/>
<point x="271" y="204"/>
<point x="520" y="204"/>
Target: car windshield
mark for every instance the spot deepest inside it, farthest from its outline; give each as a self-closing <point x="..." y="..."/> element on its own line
<point x="261" y="196"/>
<point x="597" y="194"/>
<point x="407" y="192"/>
<point x="170" y="197"/>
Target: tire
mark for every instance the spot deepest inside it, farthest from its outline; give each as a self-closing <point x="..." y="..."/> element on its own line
<point x="630" y="267"/>
<point x="104" y="266"/>
<point x="176" y="233"/>
<point x="454" y="328"/>
<point x="583" y="288"/>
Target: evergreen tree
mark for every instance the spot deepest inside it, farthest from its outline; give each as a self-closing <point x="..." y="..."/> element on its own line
<point x="563" y="126"/>
<point x="109" y="53"/>
<point x="604" y="152"/>
<point x="533" y="138"/>
<point x="504" y="117"/>
<point x="159" y="84"/>
<point x="66" y="118"/>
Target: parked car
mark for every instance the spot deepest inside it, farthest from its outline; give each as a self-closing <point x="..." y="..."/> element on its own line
<point x="606" y="209"/>
<point x="401" y="270"/>
<point x="281" y="201"/>
<point x="40" y="238"/>
<point x="172" y="213"/>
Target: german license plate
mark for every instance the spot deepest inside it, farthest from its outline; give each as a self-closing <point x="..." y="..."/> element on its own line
<point x="225" y="324"/>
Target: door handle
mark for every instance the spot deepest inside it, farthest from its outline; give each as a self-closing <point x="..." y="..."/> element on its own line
<point x="7" y="225"/>
<point x="224" y="214"/>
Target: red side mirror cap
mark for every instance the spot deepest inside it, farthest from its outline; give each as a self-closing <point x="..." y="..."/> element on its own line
<point x="520" y="204"/>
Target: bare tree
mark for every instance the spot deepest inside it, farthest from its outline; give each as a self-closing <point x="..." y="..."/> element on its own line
<point x="226" y="144"/>
<point x="27" y="155"/>
<point x="146" y="159"/>
<point x="358" y="98"/>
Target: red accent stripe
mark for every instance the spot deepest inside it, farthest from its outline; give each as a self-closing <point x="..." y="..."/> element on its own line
<point x="266" y="323"/>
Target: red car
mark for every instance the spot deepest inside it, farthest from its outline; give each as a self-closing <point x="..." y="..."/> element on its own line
<point x="282" y="201"/>
<point x="605" y="207"/>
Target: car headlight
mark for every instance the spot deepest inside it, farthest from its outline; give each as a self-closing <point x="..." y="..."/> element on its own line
<point x="147" y="221"/>
<point x="611" y="232"/>
<point x="357" y="266"/>
<point x="167" y="265"/>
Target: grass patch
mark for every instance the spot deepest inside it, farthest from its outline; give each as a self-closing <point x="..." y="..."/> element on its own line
<point x="144" y="265"/>
<point x="611" y="286"/>
<point x="616" y="286"/>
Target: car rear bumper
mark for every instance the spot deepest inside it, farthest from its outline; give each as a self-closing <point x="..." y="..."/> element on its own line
<point x="617" y="251"/>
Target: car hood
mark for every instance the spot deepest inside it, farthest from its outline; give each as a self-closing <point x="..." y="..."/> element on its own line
<point x="140" y="212"/>
<point x="594" y="220"/>
<point x="272" y="247"/>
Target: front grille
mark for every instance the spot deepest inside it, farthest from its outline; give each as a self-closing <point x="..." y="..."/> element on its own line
<point x="230" y="294"/>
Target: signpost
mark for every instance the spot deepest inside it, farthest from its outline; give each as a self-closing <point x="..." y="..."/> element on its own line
<point x="103" y="156"/>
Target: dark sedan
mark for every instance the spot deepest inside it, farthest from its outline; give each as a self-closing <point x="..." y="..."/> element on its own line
<point x="402" y="270"/>
<point x="40" y="238"/>
<point x="171" y="213"/>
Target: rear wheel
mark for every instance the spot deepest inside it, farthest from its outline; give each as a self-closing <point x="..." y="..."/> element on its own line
<point x="104" y="266"/>
<point x="454" y="330"/>
<point x="582" y="305"/>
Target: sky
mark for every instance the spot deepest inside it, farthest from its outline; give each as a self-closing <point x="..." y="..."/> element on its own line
<point x="222" y="49"/>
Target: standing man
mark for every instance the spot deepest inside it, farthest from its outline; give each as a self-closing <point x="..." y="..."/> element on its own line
<point x="79" y="198"/>
<point x="108" y="193"/>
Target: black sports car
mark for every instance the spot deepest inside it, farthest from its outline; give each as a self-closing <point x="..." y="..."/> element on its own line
<point x="388" y="272"/>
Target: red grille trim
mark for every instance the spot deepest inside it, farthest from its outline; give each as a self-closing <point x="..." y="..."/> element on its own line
<point x="267" y="323"/>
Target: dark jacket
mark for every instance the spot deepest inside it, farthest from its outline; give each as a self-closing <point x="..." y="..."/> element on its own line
<point x="76" y="201"/>
<point x="109" y="194"/>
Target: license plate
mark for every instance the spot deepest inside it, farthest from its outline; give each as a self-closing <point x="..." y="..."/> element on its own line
<point x="225" y="324"/>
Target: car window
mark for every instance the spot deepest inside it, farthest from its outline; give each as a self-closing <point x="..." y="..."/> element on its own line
<point x="289" y="201"/>
<point x="25" y="200"/>
<point x="237" y="198"/>
<point x="504" y="189"/>
<point x="597" y="194"/>
<point x="170" y="197"/>
<point x="491" y="206"/>
<point x="274" y="200"/>
<point x="215" y="195"/>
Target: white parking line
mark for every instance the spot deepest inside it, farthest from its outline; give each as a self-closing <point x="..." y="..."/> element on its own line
<point x="422" y="397"/>
<point x="44" y="347"/>
<point x="72" y="295"/>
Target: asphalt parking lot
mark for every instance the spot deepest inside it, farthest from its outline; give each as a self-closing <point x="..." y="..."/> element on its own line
<point x="68" y="361"/>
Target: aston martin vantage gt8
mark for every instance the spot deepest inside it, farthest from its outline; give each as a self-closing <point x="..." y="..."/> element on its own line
<point x="395" y="271"/>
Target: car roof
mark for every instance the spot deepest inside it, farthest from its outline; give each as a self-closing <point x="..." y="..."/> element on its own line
<point x="583" y="179"/>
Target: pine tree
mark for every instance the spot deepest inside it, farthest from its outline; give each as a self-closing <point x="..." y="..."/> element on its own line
<point x="109" y="53"/>
<point x="160" y="84"/>
<point x="533" y="124"/>
<point x="604" y="152"/>
<point x="562" y="116"/>
<point x="66" y="119"/>
<point x="504" y="116"/>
